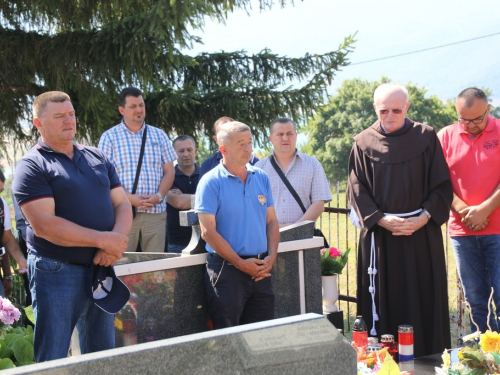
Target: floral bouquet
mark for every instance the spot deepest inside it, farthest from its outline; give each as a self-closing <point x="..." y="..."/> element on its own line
<point x="380" y="362"/>
<point x="477" y="359"/>
<point x="16" y="344"/>
<point x="333" y="261"/>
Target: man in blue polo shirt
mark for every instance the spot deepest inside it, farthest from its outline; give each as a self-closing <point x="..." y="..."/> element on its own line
<point x="187" y="175"/>
<point x="212" y="161"/>
<point x="234" y="203"/>
<point x="78" y="214"/>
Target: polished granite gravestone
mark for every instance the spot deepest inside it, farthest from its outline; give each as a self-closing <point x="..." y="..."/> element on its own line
<point x="168" y="297"/>
<point x="306" y="344"/>
<point x="297" y="231"/>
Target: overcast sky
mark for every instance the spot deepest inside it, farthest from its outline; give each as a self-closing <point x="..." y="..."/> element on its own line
<point x="384" y="28"/>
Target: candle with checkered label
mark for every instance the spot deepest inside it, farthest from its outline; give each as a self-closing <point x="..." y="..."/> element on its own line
<point x="405" y="338"/>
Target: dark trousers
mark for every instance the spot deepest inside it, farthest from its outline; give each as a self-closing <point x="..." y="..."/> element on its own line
<point x="24" y="250"/>
<point x="233" y="297"/>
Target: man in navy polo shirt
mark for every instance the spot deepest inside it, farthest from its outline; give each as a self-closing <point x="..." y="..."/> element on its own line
<point x="234" y="203"/>
<point x="212" y="161"/>
<point x="187" y="175"/>
<point x="78" y="214"/>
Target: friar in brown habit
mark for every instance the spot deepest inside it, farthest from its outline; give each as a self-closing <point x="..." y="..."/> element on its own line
<point x="400" y="191"/>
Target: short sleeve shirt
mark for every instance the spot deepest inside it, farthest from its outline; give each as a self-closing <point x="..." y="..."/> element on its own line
<point x="474" y="165"/>
<point x="123" y="148"/>
<point x="307" y="177"/>
<point x="80" y="188"/>
<point x="240" y="210"/>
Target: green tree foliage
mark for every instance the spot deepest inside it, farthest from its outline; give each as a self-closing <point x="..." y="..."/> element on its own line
<point x="92" y="49"/>
<point x="494" y="111"/>
<point x="351" y="111"/>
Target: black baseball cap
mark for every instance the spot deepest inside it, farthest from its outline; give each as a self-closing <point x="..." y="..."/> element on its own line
<point x="106" y="290"/>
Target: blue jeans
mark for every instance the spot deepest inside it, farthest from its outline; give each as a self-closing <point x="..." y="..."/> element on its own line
<point x="172" y="248"/>
<point x="59" y="303"/>
<point x="478" y="265"/>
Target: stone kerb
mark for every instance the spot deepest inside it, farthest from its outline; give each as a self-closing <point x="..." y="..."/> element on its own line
<point x="305" y="344"/>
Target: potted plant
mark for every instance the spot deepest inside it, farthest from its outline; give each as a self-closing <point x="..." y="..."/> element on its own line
<point x="333" y="262"/>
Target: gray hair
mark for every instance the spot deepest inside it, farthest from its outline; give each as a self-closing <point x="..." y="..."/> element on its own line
<point x="42" y="100"/>
<point x="227" y="130"/>
<point x="390" y="87"/>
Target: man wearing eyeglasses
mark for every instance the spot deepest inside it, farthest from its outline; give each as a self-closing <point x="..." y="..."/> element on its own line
<point x="472" y="150"/>
<point x="399" y="187"/>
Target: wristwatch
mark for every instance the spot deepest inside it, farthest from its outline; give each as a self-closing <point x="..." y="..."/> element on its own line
<point x="426" y="213"/>
<point x="161" y="197"/>
<point x="8" y="277"/>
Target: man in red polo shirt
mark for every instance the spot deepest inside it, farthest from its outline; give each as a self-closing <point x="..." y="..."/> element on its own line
<point x="472" y="151"/>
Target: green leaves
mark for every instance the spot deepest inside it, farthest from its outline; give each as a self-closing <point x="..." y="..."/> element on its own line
<point x="5" y="350"/>
<point x="92" y="49"/>
<point x="333" y="265"/>
<point x="29" y="313"/>
<point x="6" y="363"/>
<point x="23" y="350"/>
<point x="478" y="371"/>
<point x="16" y="347"/>
<point x="496" y="357"/>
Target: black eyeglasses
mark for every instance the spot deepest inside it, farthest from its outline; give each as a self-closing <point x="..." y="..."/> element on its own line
<point x="475" y="121"/>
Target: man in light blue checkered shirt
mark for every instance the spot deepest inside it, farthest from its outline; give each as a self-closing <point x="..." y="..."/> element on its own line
<point x="122" y="145"/>
<point x="304" y="172"/>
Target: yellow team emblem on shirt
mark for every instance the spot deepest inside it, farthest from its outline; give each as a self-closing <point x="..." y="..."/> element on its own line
<point x="262" y="199"/>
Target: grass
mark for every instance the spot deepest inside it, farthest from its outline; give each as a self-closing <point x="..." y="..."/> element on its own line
<point x="342" y="235"/>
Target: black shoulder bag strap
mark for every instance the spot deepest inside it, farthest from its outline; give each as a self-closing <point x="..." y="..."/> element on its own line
<point x="317" y="232"/>
<point x="287" y="183"/>
<point x="139" y="165"/>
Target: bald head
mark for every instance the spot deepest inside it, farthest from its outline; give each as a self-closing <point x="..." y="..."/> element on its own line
<point x="390" y="89"/>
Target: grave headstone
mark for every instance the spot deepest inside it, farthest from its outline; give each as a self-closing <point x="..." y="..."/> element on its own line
<point x="305" y="344"/>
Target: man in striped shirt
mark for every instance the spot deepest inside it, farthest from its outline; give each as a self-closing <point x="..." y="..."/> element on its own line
<point x="122" y="145"/>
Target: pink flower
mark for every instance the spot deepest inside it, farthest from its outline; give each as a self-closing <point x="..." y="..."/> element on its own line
<point x="334" y="253"/>
<point x="8" y="312"/>
<point x="322" y="251"/>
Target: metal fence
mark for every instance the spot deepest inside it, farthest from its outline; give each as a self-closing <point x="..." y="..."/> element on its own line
<point x="341" y="234"/>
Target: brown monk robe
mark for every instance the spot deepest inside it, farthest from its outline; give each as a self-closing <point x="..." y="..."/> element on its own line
<point x="399" y="173"/>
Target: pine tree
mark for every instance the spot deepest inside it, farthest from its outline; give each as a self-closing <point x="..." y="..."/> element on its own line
<point x="91" y="49"/>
